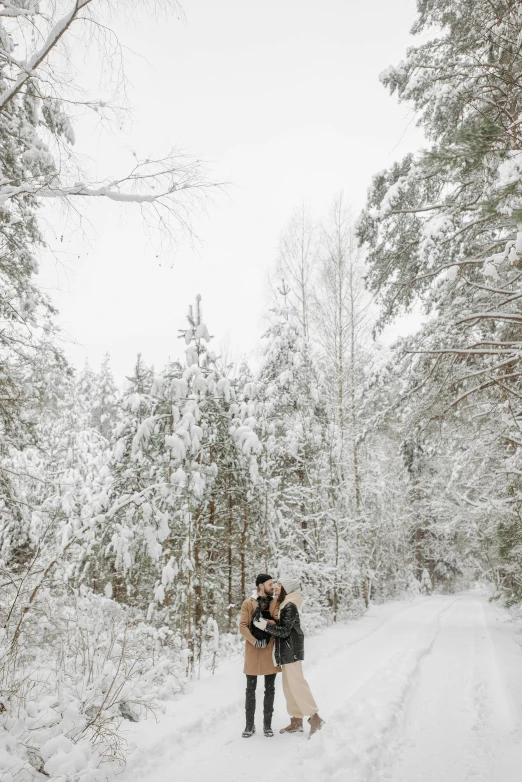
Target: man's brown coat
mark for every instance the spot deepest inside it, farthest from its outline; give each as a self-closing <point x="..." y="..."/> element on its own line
<point x="258" y="662"/>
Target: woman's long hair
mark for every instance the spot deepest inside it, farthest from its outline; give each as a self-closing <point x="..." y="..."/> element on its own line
<point x="282" y="595"/>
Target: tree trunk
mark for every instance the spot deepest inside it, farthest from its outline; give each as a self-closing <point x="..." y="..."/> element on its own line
<point x="229" y="562"/>
<point x="243" y="546"/>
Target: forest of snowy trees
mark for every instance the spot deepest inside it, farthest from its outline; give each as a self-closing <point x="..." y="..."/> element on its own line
<point x="133" y="520"/>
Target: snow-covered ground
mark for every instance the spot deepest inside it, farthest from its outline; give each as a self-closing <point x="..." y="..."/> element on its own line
<point x="424" y="690"/>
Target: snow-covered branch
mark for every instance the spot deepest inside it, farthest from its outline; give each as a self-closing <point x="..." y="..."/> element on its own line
<point x="7" y="9"/>
<point x="81" y="190"/>
<point x="30" y="66"/>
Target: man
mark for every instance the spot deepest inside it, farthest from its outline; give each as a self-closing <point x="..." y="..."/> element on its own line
<point x="258" y="658"/>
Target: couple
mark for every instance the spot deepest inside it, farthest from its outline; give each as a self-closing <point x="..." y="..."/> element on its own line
<point x="274" y="642"/>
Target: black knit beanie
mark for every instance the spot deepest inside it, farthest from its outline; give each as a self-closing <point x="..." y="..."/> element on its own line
<point x="262" y="577"/>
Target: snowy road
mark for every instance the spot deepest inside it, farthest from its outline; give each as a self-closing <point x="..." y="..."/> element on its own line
<point x="423" y="690"/>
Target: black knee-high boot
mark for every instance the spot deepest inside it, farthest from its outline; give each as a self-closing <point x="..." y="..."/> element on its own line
<point x="268" y="704"/>
<point x="250" y="706"/>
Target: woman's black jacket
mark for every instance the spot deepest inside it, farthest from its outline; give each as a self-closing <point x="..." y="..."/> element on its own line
<point x="289" y="638"/>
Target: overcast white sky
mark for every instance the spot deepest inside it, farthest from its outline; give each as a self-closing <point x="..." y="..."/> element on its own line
<point x="283" y="99"/>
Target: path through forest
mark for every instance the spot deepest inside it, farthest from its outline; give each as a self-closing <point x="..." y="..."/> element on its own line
<point x="424" y="690"/>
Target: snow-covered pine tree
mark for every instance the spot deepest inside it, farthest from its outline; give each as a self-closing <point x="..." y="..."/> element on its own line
<point x="105" y="410"/>
<point x="180" y="478"/>
<point x="443" y="227"/>
<point x="293" y="429"/>
<point x="213" y="479"/>
<point x="130" y="524"/>
<point x="60" y="475"/>
<point x="98" y="395"/>
<point x="84" y="391"/>
<point x="235" y="499"/>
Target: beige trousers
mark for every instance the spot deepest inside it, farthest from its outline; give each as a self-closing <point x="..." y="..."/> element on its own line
<point x="299" y="699"/>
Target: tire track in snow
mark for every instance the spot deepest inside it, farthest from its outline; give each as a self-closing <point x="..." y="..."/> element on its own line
<point x="437" y="714"/>
<point x="346" y="645"/>
<point x="457" y="724"/>
<point x="494" y="709"/>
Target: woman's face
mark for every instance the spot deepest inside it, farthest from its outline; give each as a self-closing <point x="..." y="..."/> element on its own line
<point x="277" y="589"/>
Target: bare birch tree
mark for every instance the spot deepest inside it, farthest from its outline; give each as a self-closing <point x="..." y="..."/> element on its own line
<point x="297" y="263"/>
<point x="342" y="325"/>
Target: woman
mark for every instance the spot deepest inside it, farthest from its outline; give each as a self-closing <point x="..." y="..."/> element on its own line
<point x="289" y="654"/>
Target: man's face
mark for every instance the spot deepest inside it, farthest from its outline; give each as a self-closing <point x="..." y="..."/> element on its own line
<point x="268" y="587"/>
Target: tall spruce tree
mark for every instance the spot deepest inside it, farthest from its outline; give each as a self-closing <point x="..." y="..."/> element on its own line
<point x="292" y="425"/>
<point x="443" y="230"/>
